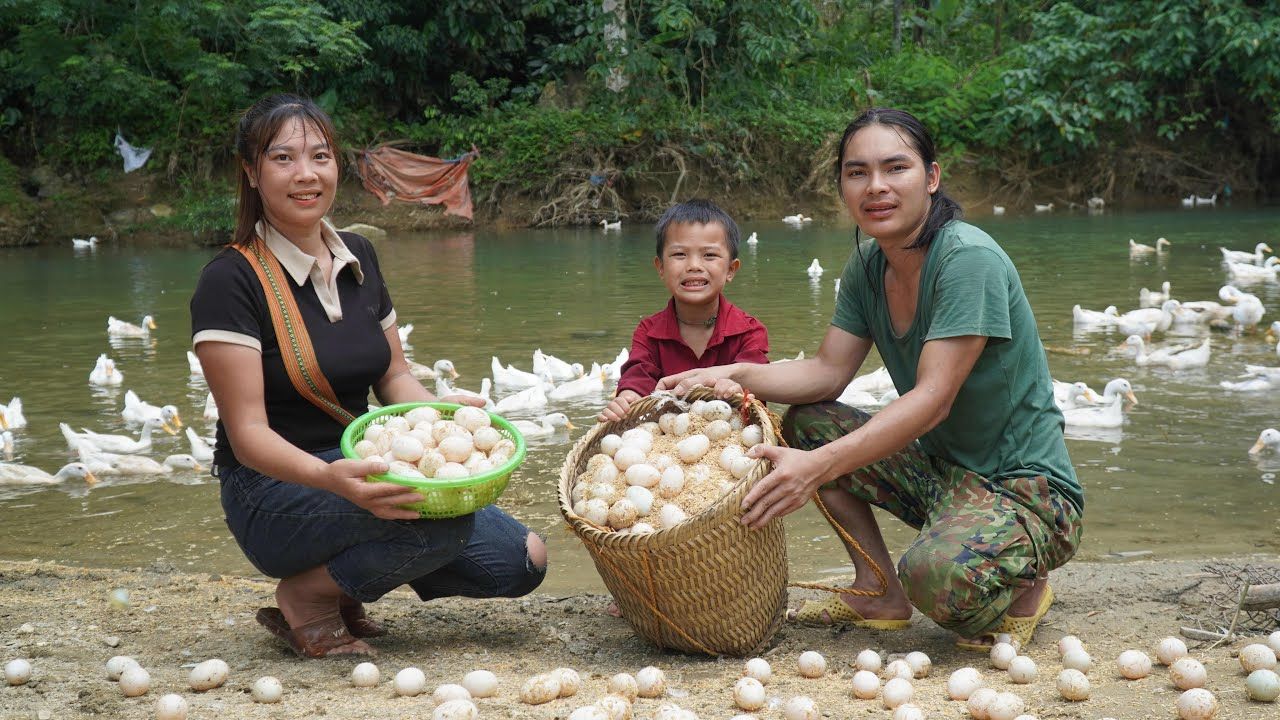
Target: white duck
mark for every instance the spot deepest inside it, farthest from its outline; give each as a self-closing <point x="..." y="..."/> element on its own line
<point x="857" y="398"/>
<point x="1268" y="440"/>
<point x="84" y="244"/>
<point x="546" y="425"/>
<point x="1119" y="387"/>
<point x="1150" y="298"/>
<point x="444" y="389"/>
<point x="6" y="445"/>
<point x="143" y="465"/>
<point x="137" y="411"/>
<point x="104" y="372"/>
<point x="591" y="383"/>
<point x="545" y="365"/>
<point x="1181" y="357"/>
<point x="1106" y="415"/>
<point x="753" y="239"/>
<point x="528" y="399"/>
<point x="15" y="474"/>
<point x="1211" y="200"/>
<point x="1200" y="312"/>
<point x="607" y="226"/>
<point x="1231" y="294"/>
<point x="201" y="448"/>
<point x="120" y="328"/>
<point x="1188" y="201"/>
<point x="1258" y="378"/>
<point x="1247" y="313"/>
<point x="1241" y="256"/>
<point x="404" y="331"/>
<point x="441" y="368"/>
<point x="94" y="459"/>
<point x="210" y="407"/>
<point x="815" y="270"/>
<point x="193" y="364"/>
<point x="1145" y="321"/>
<point x="1248" y="272"/>
<point x="997" y="209"/>
<point x="874" y="382"/>
<point x="110" y="443"/>
<point x="613" y="370"/>
<point x="1093" y="319"/>
<point x="1136" y="248"/>
<point x="1048" y="207"/>
<point x="511" y="376"/>
<point x="1072" y="395"/>
<point x="11" y="416"/>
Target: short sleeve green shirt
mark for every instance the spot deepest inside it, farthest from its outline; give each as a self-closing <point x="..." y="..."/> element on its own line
<point x="1003" y="422"/>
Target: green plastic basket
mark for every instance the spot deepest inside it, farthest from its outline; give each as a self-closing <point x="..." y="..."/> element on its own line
<point x="442" y="498"/>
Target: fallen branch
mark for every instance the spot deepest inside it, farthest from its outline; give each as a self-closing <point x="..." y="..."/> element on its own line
<point x="1261" y="597"/>
<point x="1198" y="634"/>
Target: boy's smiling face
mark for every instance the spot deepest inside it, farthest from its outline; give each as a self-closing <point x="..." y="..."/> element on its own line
<point x="696" y="263"/>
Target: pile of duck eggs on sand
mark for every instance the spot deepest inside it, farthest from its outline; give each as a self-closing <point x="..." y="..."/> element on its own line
<point x="891" y="683"/>
<point x="658" y="474"/>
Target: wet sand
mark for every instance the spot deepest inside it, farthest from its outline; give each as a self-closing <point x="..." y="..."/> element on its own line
<point x="62" y="619"/>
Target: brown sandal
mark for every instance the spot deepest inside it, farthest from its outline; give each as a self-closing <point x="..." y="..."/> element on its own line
<point x="313" y="640"/>
<point x="358" y="623"/>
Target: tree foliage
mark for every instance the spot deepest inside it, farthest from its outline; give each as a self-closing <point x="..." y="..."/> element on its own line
<point x="748" y="89"/>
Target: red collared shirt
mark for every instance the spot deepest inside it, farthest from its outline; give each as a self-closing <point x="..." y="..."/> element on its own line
<point x="657" y="350"/>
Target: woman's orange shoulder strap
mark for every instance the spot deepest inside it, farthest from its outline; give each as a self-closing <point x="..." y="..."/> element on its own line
<point x="291" y="333"/>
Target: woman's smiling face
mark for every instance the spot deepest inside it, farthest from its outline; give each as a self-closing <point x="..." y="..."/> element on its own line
<point x="885" y="184"/>
<point x="296" y="177"/>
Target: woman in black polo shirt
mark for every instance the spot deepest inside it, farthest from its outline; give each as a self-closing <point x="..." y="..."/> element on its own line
<point x="300" y="511"/>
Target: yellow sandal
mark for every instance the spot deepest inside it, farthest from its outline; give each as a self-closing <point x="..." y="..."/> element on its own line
<point x="840" y="614"/>
<point x="1021" y="628"/>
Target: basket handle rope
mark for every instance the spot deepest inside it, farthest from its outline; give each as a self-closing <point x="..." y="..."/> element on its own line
<point x="848" y="539"/>
<point x="296" y="350"/>
<point x="875" y="567"/>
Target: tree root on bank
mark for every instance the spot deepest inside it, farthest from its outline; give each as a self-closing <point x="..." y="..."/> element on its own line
<point x="1145" y="168"/>
<point x="576" y="200"/>
<point x="822" y="177"/>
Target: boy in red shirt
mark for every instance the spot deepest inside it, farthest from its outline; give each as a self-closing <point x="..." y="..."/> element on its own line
<point x="697" y="253"/>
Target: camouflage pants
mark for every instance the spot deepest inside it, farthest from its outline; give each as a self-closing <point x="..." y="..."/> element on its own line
<point x="979" y="540"/>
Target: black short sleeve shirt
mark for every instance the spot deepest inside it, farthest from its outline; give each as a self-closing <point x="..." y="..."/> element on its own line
<point x="230" y="305"/>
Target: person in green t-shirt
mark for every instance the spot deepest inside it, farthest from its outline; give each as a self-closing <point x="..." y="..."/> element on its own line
<point x="972" y="452"/>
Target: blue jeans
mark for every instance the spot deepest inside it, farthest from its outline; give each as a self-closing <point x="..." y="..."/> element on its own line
<point x="285" y="529"/>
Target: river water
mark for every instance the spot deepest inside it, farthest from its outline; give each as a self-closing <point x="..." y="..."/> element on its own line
<point x="1176" y="480"/>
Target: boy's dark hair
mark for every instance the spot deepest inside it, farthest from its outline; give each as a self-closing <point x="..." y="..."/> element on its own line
<point x="701" y="212"/>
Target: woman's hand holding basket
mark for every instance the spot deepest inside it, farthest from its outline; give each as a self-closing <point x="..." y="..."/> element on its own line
<point x="383" y="499"/>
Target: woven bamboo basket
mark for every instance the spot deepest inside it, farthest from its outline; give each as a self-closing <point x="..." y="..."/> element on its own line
<point x="708" y="585"/>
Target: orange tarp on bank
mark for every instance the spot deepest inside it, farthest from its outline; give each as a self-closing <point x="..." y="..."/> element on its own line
<point x="395" y="174"/>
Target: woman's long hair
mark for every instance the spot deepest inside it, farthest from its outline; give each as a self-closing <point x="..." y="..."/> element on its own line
<point x="942" y="208"/>
<point x="257" y="128"/>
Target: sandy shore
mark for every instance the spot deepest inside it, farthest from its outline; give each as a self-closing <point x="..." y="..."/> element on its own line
<point x="61" y="619"/>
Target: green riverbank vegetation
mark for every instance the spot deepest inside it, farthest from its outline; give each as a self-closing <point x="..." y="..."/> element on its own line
<point x="602" y="109"/>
